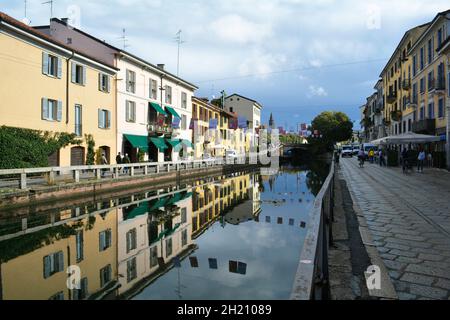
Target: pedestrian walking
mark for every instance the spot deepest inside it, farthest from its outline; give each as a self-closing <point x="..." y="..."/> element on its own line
<point x="371" y="155"/>
<point x="119" y="158"/>
<point x="404" y="160"/>
<point x="381" y="158"/>
<point x="126" y="160"/>
<point x="104" y="162"/>
<point x="430" y="160"/>
<point x="421" y="160"/>
<point x="361" y="157"/>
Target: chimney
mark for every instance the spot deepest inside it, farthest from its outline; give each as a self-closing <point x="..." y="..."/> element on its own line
<point x="65" y="21"/>
<point x="161" y="66"/>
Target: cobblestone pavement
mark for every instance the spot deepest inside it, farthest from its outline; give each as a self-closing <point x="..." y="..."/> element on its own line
<point x="409" y="219"/>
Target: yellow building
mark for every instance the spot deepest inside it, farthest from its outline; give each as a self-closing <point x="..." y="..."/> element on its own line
<point x="428" y="82"/>
<point x="38" y="271"/>
<point x="396" y="77"/>
<point x="46" y="85"/>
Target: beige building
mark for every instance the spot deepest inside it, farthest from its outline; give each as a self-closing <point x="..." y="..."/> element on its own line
<point x="55" y="88"/>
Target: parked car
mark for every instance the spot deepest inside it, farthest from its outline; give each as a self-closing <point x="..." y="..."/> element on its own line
<point x="356" y="149"/>
<point x="347" y="151"/>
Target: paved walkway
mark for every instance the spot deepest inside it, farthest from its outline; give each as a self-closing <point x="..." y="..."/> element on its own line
<point x="409" y="219"/>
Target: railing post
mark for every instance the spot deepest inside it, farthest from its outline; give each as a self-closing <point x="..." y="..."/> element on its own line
<point x="76" y="176"/>
<point x="146" y="170"/>
<point x="132" y="171"/>
<point x="23" y="181"/>
<point x="157" y="168"/>
<point x="51" y="177"/>
<point x="98" y="174"/>
<point x="168" y="167"/>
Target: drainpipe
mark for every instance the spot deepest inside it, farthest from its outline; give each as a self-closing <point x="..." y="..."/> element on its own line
<point x="68" y="85"/>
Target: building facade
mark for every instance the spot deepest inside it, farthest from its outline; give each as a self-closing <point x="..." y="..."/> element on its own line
<point x="66" y="91"/>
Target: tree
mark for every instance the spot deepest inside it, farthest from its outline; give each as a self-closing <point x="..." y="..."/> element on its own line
<point x="333" y="127"/>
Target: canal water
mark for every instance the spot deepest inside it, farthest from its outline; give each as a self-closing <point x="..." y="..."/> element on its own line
<point x="231" y="237"/>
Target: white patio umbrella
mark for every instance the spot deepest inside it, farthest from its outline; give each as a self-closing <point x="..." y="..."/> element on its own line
<point x="407" y="138"/>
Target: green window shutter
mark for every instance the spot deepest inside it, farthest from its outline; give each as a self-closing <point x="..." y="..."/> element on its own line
<point x="59" y="112"/>
<point x="44" y="108"/>
<point x="84" y="76"/>
<point x="59" y="68"/>
<point x="46" y="267"/>
<point x="45" y="63"/>
<point x="73" y="69"/>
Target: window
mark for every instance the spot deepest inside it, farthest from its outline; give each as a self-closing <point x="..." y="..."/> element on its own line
<point x="414" y="65"/>
<point x="183" y="215"/>
<point x="51" y="65"/>
<point x="78" y="121"/>
<point x="439" y="37"/>
<point x="131" y="81"/>
<point x="153" y="89"/>
<point x="184" y="100"/>
<point x="153" y="256"/>
<point x="422" y="112"/>
<point x="422" y="85"/>
<point x="130" y="111"/>
<point x="168" y="94"/>
<point x="183" y="122"/>
<point x="104" y="82"/>
<point x="131" y="270"/>
<point x="431" y="110"/>
<point x="53" y="263"/>
<point x="80" y="246"/>
<point x="51" y="110"/>
<point x="414" y="93"/>
<point x="410" y="124"/>
<point x="441" y="108"/>
<point x="430" y="80"/>
<point x="105" y="275"/>
<point x="131" y="238"/>
<point x="82" y="293"/>
<point x="422" y="58"/>
<point x="168" y="247"/>
<point x="105" y="239"/>
<point x="104" y="119"/>
<point x="78" y="74"/>
<point x="430" y="50"/>
<point x="184" y="238"/>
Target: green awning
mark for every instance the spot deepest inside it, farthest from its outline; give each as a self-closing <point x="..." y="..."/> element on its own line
<point x="159" y="143"/>
<point x="138" y="211"/>
<point x="158" y="108"/>
<point x="173" y="112"/>
<point x="158" y="204"/>
<point x="188" y="144"/>
<point x="174" y="143"/>
<point x="140" y="142"/>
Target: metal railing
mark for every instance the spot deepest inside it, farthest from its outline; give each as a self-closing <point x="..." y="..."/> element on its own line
<point x="22" y="178"/>
<point x="312" y="278"/>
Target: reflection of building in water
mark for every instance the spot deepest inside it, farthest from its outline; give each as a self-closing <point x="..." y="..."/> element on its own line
<point x="150" y="236"/>
<point x="33" y="266"/>
<point x="236" y="198"/>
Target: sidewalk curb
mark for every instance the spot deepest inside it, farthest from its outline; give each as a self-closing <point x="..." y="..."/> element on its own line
<point x="388" y="291"/>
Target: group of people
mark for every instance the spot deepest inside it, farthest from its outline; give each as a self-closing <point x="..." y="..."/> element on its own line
<point x="421" y="158"/>
<point x="371" y="155"/>
<point x="123" y="160"/>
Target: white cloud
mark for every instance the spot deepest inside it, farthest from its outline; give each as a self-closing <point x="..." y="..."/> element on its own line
<point x="317" y="91"/>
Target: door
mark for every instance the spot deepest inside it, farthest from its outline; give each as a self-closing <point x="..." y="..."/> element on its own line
<point x="53" y="159"/>
<point x="77" y="156"/>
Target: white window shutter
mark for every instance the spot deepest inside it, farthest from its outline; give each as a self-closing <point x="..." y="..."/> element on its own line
<point x="59" y="68"/>
<point x="45" y="63"/>
<point x="59" y="112"/>
<point x="74" y="72"/>
<point x="84" y="75"/>
<point x="44" y="108"/>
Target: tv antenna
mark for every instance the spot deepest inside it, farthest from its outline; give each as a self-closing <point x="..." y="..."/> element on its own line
<point x="124" y="39"/>
<point x="50" y="2"/>
<point x="179" y="41"/>
<point x="25" y="18"/>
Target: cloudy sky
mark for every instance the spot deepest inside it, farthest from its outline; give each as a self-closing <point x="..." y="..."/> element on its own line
<point x="296" y="57"/>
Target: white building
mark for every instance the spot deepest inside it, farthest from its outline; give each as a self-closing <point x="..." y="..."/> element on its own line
<point x="248" y="108"/>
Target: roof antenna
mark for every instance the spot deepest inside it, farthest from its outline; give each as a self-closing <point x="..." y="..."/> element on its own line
<point x="51" y="7"/>
<point x="124" y="39"/>
<point x="25" y="19"/>
<point x="180" y="42"/>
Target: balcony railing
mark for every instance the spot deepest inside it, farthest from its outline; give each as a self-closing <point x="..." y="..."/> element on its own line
<point x="437" y="85"/>
<point x="156" y="128"/>
<point x="426" y="126"/>
<point x="406" y="84"/>
<point x="391" y="97"/>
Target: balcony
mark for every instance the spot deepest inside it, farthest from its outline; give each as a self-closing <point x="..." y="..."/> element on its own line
<point x="406" y="84"/>
<point x="157" y="129"/>
<point x="426" y="126"/>
<point x="391" y="97"/>
<point x="396" y="115"/>
<point x="437" y="86"/>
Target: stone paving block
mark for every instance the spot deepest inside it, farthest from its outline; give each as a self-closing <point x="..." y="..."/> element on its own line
<point x="410" y="243"/>
<point x="428" y="292"/>
<point x="393" y="245"/>
<point x="388" y="256"/>
<point x="395" y="265"/>
<point x="403" y="253"/>
<point x="417" y="278"/>
<point x="428" y="270"/>
<point x="410" y="237"/>
<point x="409" y="260"/>
<point x="406" y="296"/>
<point x="430" y="257"/>
<point x="442" y="283"/>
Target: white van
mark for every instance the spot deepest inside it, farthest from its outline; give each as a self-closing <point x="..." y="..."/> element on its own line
<point x="367" y="147"/>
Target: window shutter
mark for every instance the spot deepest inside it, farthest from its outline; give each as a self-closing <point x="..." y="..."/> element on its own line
<point x="101" y="241"/>
<point x="74" y="72"/>
<point x="100" y="119"/>
<point x="84" y="75"/>
<point x="100" y="82"/>
<point x="45" y="63"/>
<point x="59" y="112"/>
<point x="108" y="238"/>
<point x="59" y="68"/>
<point x="60" y="261"/>
<point x="44" y="108"/>
<point x="108" y="84"/>
<point x="108" y="120"/>
<point x="46" y="267"/>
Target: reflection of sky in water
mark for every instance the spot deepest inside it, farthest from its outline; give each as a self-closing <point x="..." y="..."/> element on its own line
<point x="271" y="251"/>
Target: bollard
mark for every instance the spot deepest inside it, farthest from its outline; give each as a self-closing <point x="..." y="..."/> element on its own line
<point x="146" y="170"/>
<point x="76" y="175"/>
<point x="23" y="181"/>
<point x="132" y="171"/>
<point x="168" y="167"/>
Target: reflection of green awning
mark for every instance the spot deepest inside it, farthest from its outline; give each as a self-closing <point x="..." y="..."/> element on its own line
<point x="158" y="204"/>
<point x="158" y="108"/>
<point x="173" y="112"/>
<point x="140" y="142"/>
<point x="168" y="232"/>
<point x="159" y="143"/>
<point x="174" y="199"/>
<point x="187" y="195"/>
<point x="188" y="144"/>
<point x="138" y="211"/>
<point x="173" y="143"/>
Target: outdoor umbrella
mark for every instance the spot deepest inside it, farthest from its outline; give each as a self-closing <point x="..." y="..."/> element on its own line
<point x="411" y="138"/>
